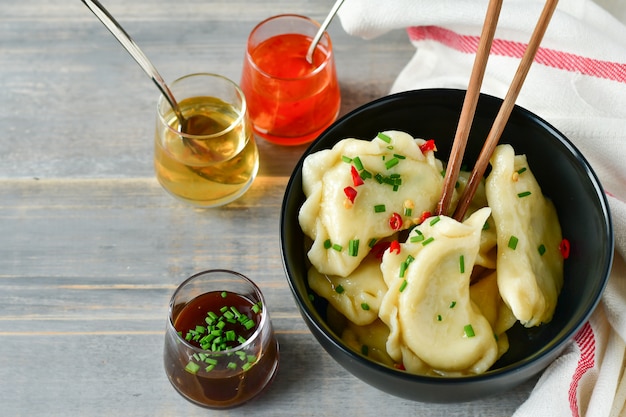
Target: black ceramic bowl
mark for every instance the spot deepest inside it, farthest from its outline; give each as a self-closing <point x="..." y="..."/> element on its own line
<point x="565" y="177"/>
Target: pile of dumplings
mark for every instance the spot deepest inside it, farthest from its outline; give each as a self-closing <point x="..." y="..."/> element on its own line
<point x="419" y="292"/>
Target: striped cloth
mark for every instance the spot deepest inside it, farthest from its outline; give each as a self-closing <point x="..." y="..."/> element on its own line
<point x="578" y="84"/>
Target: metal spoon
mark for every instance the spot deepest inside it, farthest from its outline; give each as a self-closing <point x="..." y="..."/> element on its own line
<point x="200" y="125"/>
<point x="320" y="32"/>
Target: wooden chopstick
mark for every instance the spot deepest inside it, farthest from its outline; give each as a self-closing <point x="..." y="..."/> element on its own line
<point x="503" y="114"/>
<point x="469" y="105"/>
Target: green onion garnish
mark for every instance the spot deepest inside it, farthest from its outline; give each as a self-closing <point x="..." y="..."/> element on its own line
<point x="486" y="225"/>
<point x="452" y="304"/>
<point x="403" y="285"/>
<point x="439" y="318"/>
<point x="513" y="242"/>
<point x="408" y="211"/>
<point x="372" y="242"/>
<point x="383" y="137"/>
<point x="357" y="163"/>
<point x="524" y="194"/>
<point x="353" y="247"/>
<point x="327" y="244"/>
<point x="224" y="294"/>
<point x="379" y="208"/>
<point x="365" y="306"/>
<point x="339" y="289"/>
<point x="435" y="220"/>
<point x="346" y="159"/>
<point x="469" y="330"/>
<point x="391" y="163"/>
<point x="418" y="238"/>
<point x="192" y="368"/>
<point x="427" y="241"/>
<point x="399" y="156"/>
<point x="365" y="174"/>
<point x="462" y="264"/>
<point x="337" y="247"/>
<point x="541" y="249"/>
<point x="521" y="170"/>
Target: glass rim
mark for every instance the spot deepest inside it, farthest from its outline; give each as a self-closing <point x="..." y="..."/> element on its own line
<point x="236" y="122"/>
<point x="252" y="338"/>
<point x="311" y="74"/>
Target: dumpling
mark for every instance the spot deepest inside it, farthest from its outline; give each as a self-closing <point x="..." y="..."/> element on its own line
<point x="360" y="191"/>
<point x="369" y="340"/>
<point x="432" y="319"/>
<point x="357" y="296"/>
<point x="529" y="263"/>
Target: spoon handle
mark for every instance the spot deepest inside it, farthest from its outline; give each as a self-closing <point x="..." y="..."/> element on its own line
<point x="124" y="38"/>
<point x="322" y="29"/>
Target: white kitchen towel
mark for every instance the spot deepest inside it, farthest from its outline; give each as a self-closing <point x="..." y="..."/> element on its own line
<point x="578" y="84"/>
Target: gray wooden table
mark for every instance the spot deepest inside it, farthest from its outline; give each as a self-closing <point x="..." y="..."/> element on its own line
<point x="91" y="246"/>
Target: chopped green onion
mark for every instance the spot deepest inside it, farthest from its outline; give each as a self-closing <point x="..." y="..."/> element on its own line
<point x="346" y="159"/>
<point x="452" y="304"/>
<point x="246" y="366"/>
<point x="379" y="208"/>
<point x="365" y="306"/>
<point x="224" y="294"/>
<point x="439" y="318"/>
<point x="486" y="225"/>
<point x="521" y="170"/>
<point x="524" y="194"/>
<point x="231" y="365"/>
<point x="403" y="285"/>
<point x="513" y="242"/>
<point x="427" y="241"/>
<point x="391" y="163"/>
<point x="372" y="242"/>
<point x="435" y="220"/>
<point x="337" y="247"/>
<point x="541" y="249"/>
<point x="408" y="211"/>
<point x="249" y="324"/>
<point x="327" y="244"/>
<point x="353" y="247"/>
<point x="462" y="264"/>
<point x="418" y="238"/>
<point x="383" y="137"/>
<point x="403" y="267"/>
<point x="192" y="368"/>
<point x="399" y="156"/>
<point x="357" y="163"/>
<point x="469" y="330"/>
<point x="339" y="289"/>
<point x="209" y="368"/>
<point x="365" y="174"/>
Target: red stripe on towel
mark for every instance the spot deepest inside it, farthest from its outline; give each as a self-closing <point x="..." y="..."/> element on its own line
<point x="614" y="71"/>
<point x="586" y="341"/>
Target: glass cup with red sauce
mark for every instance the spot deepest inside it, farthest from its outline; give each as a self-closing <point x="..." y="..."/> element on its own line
<point x="220" y="349"/>
<point x="290" y="101"/>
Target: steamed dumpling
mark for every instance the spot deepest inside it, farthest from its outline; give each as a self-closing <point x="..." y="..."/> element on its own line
<point x="357" y="296"/>
<point x="529" y="263"/>
<point x="432" y="320"/>
<point x="395" y="174"/>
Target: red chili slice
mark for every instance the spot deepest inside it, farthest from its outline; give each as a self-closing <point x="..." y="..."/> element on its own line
<point x="350" y="193"/>
<point x="356" y="178"/>
<point x="395" y="221"/>
<point x="564" y="247"/>
<point x="394" y="247"/>
<point x="429" y="145"/>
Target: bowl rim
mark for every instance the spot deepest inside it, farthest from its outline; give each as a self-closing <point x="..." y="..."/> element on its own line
<point x="561" y="339"/>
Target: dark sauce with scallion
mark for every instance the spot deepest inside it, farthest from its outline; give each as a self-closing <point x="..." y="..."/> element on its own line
<point x="216" y="373"/>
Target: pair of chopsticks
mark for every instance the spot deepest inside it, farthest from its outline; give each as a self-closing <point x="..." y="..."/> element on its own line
<point x="471" y="100"/>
